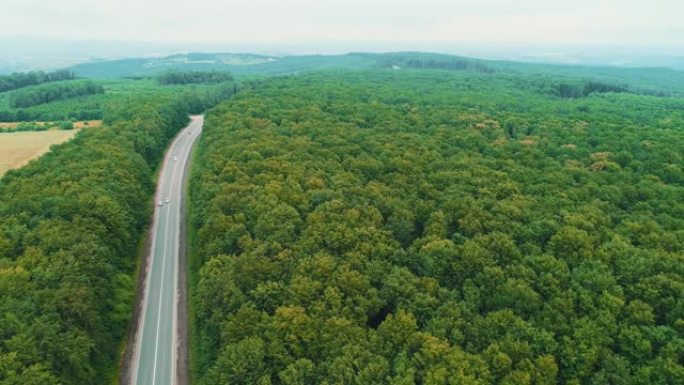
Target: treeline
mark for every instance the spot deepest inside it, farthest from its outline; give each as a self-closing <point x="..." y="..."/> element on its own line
<point x="578" y="90"/>
<point x="47" y="93"/>
<point x="76" y="111"/>
<point x="442" y="228"/>
<point x="25" y="79"/>
<point x="69" y="226"/>
<point x="426" y="61"/>
<point x="194" y="77"/>
<point x="197" y="99"/>
<point x="448" y="64"/>
<point x="35" y="126"/>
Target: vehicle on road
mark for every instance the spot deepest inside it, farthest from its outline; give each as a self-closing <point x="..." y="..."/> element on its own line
<point x="159" y="203"/>
<point x="158" y="342"/>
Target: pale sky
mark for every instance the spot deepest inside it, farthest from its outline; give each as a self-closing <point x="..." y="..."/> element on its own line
<point x="617" y="22"/>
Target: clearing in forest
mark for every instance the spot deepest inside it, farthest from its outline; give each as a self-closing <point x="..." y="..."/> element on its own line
<point x="18" y="148"/>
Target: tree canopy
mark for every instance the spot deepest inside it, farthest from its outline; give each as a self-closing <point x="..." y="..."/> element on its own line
<point x="392" y="227"/>
<point x="74" y="100"/>
<point x="47" y="93"/>
<point x="24" y="79"/>
<point x="194" y="77"/>
<point x="70" y="223"/>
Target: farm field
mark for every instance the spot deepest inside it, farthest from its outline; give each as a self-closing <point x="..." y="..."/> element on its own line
<point x="18" y="148"/>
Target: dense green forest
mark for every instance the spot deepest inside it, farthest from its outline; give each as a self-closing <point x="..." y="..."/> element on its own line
<point x="87" y="107"/>
<point x="70" y="223"/>
<point x="430" y="219"/>
<point x="25" y="79"/>
<point x="47" y="93"/>
<point x="81" y="108"/>
<point x="194" y="77"/>
<point x="428" y="61"/>
<point x="647" y="80"/>
<point x="433" y="227"/>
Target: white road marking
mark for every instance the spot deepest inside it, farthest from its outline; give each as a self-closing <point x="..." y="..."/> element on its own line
<point x="161" y="288"/>
<point x="177" y="142"/>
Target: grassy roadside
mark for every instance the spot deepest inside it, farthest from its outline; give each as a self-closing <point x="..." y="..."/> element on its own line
<point x="191" y="264"/>
<point x="113" y="374"/>
<point x="183" y="367"/>
<point x="120" y="370"/>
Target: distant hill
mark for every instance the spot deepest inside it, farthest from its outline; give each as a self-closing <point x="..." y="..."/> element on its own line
<point x="234" y="62"/>
<point x="252" y="64"/>
<point x="649" y="79"/>
<point x="664" y="81"/>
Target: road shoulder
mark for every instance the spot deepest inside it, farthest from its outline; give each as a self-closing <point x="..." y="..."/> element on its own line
<point x="183" y="358"/>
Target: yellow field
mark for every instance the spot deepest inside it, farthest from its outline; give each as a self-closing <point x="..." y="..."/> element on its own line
<point x="18" y="148"/>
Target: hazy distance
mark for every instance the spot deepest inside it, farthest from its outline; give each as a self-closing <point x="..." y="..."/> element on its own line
<point x="44" y="34"/>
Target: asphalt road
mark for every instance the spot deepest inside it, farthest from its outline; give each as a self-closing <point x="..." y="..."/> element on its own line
<point x="155" y="356"/>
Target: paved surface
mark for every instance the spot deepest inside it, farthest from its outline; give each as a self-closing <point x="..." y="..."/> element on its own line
<point x="155" y="356"/>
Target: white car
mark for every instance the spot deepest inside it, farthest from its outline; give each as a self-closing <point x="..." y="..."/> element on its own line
<point x="168" y="200"/>
<point x="159" y="203"/>
<point x="175" y="158"/>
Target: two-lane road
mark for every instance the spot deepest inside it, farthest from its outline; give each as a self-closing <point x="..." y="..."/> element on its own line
<point x="156" y="352"/>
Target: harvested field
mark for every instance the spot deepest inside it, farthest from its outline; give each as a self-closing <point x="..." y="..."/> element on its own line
<point x="18" y="148"/>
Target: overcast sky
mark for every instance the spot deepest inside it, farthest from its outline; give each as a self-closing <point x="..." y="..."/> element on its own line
<point x="494" y="22"/>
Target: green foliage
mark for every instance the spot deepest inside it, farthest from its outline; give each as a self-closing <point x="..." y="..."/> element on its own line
<point x="566" y="90"/>
<point x="69" y="226"/>
<point x="427" y="61"/>
<point x="425" y="227"/>
<point x="66" y="125"/>
<point x="82" y="108"/>
<point x="197" y="99"/>
<point x="51" y="92"/>
<point x="652" y="81"/>
<point x="26" y="126"/>
<point x="20" y="80"/>
<point x="194" y="77"/>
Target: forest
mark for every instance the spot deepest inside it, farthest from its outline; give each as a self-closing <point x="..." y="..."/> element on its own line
<point x="194" y="77"/>
<point x="437" y="227"/>
<point x="24" y="79"/>
<point x="652" y="80"/>
<point x="198" y="97"/>
<point x="70" y="223"/>
<point x="47" y="93"/>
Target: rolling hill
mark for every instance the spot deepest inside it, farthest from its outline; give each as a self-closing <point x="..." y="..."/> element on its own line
<point x="653" y="80"/>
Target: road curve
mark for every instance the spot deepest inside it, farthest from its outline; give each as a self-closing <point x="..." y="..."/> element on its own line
<point x="156" y="350"/>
